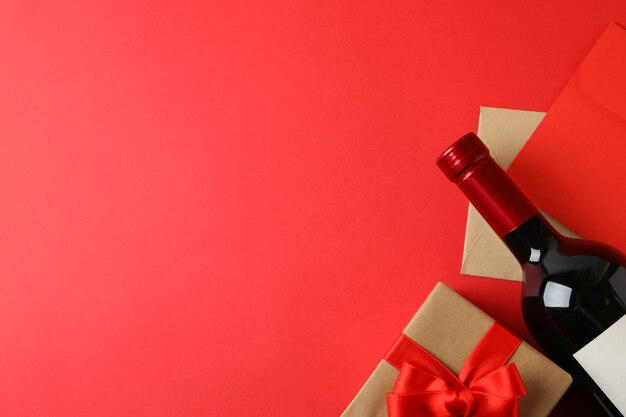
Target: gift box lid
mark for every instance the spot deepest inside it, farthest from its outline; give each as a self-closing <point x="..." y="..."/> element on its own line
<point x="449" y="327"/>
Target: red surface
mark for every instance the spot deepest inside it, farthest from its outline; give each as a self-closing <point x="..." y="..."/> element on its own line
<point x="232" y="208"/>
<point x="584" y="191"/>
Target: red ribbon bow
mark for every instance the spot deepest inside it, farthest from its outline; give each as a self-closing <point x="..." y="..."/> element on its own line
<point x="485" y="387"/>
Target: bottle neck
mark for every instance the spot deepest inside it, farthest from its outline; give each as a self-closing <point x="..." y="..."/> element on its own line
<point x="496" y="197"/>
<point x="531" y="241"/>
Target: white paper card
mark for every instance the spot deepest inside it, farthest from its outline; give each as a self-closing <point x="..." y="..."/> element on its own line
<point x="604" y="359"/>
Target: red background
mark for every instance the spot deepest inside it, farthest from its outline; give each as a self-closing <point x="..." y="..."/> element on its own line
<point x="231" y="208"/>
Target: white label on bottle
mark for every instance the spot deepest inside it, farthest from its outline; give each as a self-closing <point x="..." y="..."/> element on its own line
<point x="604" y="359"/>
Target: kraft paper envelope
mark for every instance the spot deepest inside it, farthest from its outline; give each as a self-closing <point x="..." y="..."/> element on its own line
<point x="504" y="132"/>
<point x="573" y="165"/>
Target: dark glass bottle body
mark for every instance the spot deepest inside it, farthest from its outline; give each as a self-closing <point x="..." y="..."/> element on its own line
<point x="573" y="289"/>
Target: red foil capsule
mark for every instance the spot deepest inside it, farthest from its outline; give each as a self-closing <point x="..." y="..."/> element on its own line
<point x="469" y="165"/>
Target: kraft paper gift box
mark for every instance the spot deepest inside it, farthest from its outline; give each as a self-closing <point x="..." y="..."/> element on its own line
<point x="449" y="327"/>
<point x="505" y="132"/>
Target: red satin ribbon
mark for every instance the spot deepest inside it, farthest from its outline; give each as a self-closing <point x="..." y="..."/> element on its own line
<point x="485" y="387"/>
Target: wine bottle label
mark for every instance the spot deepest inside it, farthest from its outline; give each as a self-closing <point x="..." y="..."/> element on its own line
<point x="604" y="359"/>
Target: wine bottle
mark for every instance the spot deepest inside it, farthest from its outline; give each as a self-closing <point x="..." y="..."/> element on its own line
<point x="574" y="290"/>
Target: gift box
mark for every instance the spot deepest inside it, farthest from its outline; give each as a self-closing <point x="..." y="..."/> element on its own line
<point x="450" y="337"/>
<point x="504" y="132"/>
